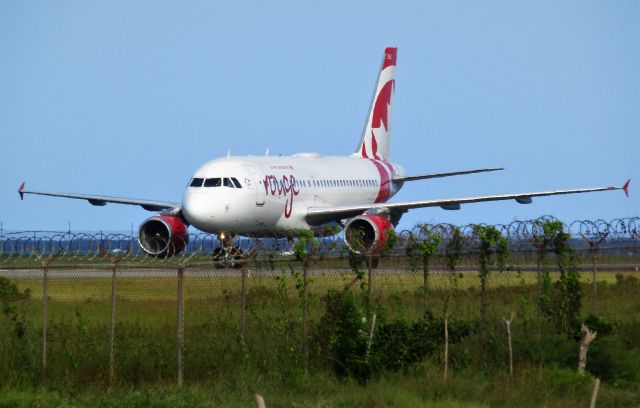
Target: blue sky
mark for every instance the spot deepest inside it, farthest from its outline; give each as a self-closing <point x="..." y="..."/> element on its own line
<point x="129" y="98"/>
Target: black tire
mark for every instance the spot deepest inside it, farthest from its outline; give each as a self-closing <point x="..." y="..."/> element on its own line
<point x="218" y="258"/>
<point x="238" y="260"/>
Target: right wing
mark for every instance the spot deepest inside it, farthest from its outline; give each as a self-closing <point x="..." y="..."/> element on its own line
<point x="149" y="205"/>
<point x="438" y="175"/>
<point x="321" y="215"/>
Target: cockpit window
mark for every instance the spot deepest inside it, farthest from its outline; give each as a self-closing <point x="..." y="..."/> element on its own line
<point x="212" y="182"/>
<point x="227" y="182"/>
<point x="236" y="182"/>
<point x="196" y="182"/>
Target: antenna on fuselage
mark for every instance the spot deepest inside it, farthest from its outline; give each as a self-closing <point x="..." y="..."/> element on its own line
<point x="266" y="154"/>
<point x="228" y="153"/>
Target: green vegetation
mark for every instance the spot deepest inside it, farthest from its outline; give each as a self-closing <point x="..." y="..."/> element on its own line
<point x="403" y="368"/>
<point x="421" y="386"/>
<point x="322" y="331"/>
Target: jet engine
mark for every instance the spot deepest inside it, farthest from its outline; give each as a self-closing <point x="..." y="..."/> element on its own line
<point x="163" y="236"/>
<point x="367" y="234"/>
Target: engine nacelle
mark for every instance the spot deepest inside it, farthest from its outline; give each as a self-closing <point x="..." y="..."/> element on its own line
<point x="163" y="236"/>
<point x="366" y="234"/>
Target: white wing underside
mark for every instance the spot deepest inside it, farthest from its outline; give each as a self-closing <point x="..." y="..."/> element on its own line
<point x="149" y="205"/>
<point x="321" y="215"/>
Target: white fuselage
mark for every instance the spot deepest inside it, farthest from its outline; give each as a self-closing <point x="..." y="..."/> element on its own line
<point x="275" y="192"/>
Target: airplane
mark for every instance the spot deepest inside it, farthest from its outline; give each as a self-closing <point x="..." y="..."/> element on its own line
<point x="283" y="195"/>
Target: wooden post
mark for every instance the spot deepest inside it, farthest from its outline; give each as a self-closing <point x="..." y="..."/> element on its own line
<point x="45" y="295"/>
<point x="370" y="340"/>
<point x="508" y="322"/>
<point x="446" y="343"/>
<point x="587" y="338"/>
<point x="305" y="311"/>
<point x="594" y="394"/>
<point x="45" y="262"/>
<point x="243" y="300"/>
<point x="594" y="289"/>
<point x="425" y="282"/>
<point x="112" y="326"/>
<point x="539" y="298"/>
<point x="369" y="284"/>
<point x="180" y="331"/>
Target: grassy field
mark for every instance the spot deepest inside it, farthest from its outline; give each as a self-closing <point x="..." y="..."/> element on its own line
<point x="423" y="386"/>
<point x="225" y="368"/>
<point x="154" y="298"/>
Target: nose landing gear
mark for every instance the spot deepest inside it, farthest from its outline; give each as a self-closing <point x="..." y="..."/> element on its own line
<point x="228" y="255"/>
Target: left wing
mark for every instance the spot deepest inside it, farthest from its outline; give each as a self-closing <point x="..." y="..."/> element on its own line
<point x="149" y="205"/>
<point x="321" y="215"/>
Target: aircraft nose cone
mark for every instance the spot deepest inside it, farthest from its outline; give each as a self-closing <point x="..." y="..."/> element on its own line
<point x="194" y="209"/>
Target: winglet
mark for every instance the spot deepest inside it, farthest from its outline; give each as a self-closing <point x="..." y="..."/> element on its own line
<point x="21" y="191"/>
<point x="625" y="188"/>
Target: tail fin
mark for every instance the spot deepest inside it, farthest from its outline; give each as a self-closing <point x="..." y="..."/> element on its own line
<point x="376" y="137"/>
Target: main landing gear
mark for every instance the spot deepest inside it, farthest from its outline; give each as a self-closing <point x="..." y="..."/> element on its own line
<point x="227" y="255"/>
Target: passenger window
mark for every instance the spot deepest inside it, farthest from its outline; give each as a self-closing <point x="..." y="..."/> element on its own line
<point x="227" y="182"/>
<point x="212" y="182"/>
<point x="196" y="182"/>
<point x="236" y="182"/>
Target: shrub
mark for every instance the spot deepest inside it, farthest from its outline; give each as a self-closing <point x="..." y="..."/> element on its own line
<point x="342" y="336"/>
<point x="611" y="361"/>
<point x="400" y="343"/>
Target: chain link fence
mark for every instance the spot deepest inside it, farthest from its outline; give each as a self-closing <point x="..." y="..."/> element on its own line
<point x="103" y="311"/>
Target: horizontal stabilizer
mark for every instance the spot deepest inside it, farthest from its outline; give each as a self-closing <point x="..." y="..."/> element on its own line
<point x="449" y="174"/>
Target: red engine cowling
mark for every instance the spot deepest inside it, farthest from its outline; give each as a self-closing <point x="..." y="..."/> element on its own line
<point x="163" y="236"/>
<point x="366" y="234"/>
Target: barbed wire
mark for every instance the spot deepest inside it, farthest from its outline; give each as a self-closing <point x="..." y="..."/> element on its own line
<point x="78" y="247"/>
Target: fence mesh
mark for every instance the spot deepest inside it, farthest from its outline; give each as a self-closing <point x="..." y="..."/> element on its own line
<point x="112" y="314"/>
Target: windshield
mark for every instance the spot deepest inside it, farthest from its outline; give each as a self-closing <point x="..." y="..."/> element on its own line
<point x="196" y="182"/>
<point x="212" y="182"/>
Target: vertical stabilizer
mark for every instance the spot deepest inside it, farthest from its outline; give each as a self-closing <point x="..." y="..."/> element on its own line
<point x="376" y="137"/>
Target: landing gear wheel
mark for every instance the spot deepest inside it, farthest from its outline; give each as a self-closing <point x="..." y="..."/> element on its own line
<point x="236" y="260"/>
<point x="218" y="258"/>
<point x="230" y="257"/>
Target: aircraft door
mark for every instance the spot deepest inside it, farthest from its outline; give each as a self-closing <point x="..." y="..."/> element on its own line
<point x="254" y="180"/>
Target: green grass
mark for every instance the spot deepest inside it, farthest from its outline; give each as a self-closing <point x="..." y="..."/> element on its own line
<point x="422" y="386"/>
<point x="153" y="299"/>
<point x="222" y="368"/>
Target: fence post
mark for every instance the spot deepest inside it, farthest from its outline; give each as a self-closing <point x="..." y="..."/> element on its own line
<point x="45" y="262"/>
<point x="112" y="325"/>
<point x="45" y="294"/>
<point x="243" y="300"/>
<point x="305" y="311"/>
<point x="369" y="284"/>
<point x="594" y="287"/>
<point x="508" y="323"/>
<point x="180" y="330"/>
